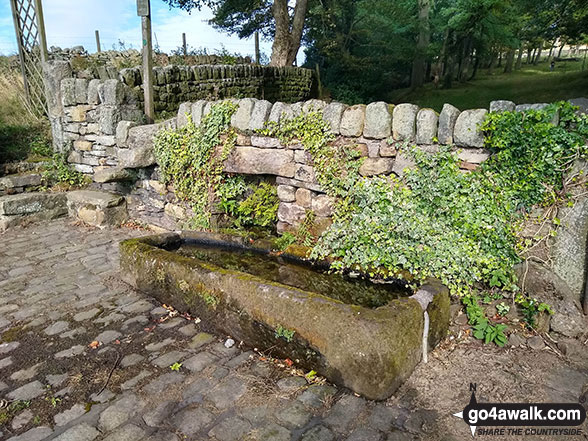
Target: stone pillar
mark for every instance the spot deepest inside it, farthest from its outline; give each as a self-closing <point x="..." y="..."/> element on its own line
<point x="53" y="73"/>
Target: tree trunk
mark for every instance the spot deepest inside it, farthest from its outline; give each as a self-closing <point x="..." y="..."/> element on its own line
<point x="563" y="43"/>
<point x="529" y="52"/>
<point x="510" y="56"/>
<point x="538" y="56"/>
<point x="464" y="64"/>
<point x="493" y="62"/>
<point x="419" y="63"/>
<point x="287" y="35"/>
<point x="551" y="50"/>
<point x="520" y="57"/>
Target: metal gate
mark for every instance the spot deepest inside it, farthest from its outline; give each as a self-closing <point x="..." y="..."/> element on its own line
<point x="32" y="52"/>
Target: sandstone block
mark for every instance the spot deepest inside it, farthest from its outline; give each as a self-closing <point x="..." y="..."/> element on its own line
<point x="376" y="166"/>
<point x="281" y="111"/>
<point x="97" y="208"/>
<point x="260" y="114"/>
<point x="183" y="111"/>
<point x="323" y="205"/>
<point x="404" y="122"/>
<point x="353" y="120"/>
<point x="313" y="105"/>
<point x="467" y="131"/>
<point x="286" y="193"/>
<point x="333" y="114"/>
<point x="258" y="161"/>
<point x="378" y="120"/>
<point x="304" y="198"/>
<point x="198" y="112"/>
<point x="291" y="213"/>
<point x="426" y="126"/>
<point x="122" y="132"/>
<point x="502" y="106"/>
<point x="242" y="117"/>
<point x="447" y="120"/>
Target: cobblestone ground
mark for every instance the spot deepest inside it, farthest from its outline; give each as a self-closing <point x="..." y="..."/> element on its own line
<point x="59" y="292"/>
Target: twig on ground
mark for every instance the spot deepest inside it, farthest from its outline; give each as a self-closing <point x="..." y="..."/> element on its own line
<point x="111" y="372"/>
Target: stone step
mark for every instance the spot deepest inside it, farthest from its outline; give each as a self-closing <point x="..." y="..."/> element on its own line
<point x="12" y="168"/>
<point x="25" y="208"/>
<point x="17" y="183"/>
<point x="97" y="208"/>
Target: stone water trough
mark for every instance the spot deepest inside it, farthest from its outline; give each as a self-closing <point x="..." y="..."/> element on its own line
<point x="364" y="336"/>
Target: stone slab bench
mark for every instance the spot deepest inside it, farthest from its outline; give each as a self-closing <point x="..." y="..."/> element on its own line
<point x="97" y="208"/>
<point x="25" y="208"/>
<point x="18" y="183"/>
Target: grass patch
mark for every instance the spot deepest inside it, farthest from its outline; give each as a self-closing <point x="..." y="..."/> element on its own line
<point x="531" y="84"/>
<point x="22" y="135"/>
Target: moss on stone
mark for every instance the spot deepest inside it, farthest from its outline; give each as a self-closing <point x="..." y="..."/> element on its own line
<point x="371" y="351"/>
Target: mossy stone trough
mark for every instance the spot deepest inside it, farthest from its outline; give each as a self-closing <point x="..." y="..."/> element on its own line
<point x="369" y="349"/>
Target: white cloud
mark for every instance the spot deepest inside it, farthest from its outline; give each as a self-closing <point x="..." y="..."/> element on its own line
<point x="70" y="23"/>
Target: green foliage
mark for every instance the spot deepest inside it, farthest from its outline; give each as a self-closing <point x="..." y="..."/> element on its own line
<point x="305" y="233"/>
<point x="440" y="223"/>
<point x="190" y="160"/>
<point x="531" y="152"/>
<point x="531" y="309"/>
<point x="21" y="142"/>
<point x="260" y="208"/>
<point x="457" y="227"/>
<point x="502" y="309"/>
<point x="483" y="330"/>
<point x="176" y="366"/>
<point x="336" y="166"/>
<point x="284" y="241"/>
<point x="286" y="334"/>
<point x="59" y="173"/>
<point x="229" y="191"/>
<point x="12" y="409"/>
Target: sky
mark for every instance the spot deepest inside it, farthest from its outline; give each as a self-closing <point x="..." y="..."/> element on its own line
<point x="73" y="22"/>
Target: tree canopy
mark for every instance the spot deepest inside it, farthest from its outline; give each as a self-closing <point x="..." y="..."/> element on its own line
<point x="365" y="48"/>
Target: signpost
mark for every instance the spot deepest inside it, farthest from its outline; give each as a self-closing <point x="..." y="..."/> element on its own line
<point x="144" y="11"/>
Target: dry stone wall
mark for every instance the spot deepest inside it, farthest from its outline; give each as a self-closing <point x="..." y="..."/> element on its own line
<point x="99" y="123"/>
<point x="380" y="131"/>
<point x="176" y="84"/>
<point x="92" y="110"/>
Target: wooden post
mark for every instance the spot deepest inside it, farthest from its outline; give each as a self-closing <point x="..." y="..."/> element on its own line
<point x="184" y="44"/>
<point x="144" y="11"/>
<point x="41" y="28"/>
<point x="97" y="41"/>
<point x="257" y="55"/>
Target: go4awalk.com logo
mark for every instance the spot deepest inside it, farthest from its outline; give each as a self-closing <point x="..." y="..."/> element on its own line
<point x="502" y="419"/>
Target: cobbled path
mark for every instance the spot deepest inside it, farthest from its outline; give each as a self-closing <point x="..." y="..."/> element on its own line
<point x="60" y="294"/>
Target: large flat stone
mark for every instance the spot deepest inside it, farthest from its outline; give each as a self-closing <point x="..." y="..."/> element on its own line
<point x="98" y="199"/>
<point x="259" y="161"/>
<point x="21" y="180"/>
<point x="28" y="203"/>
<point x="97" y="208"/>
